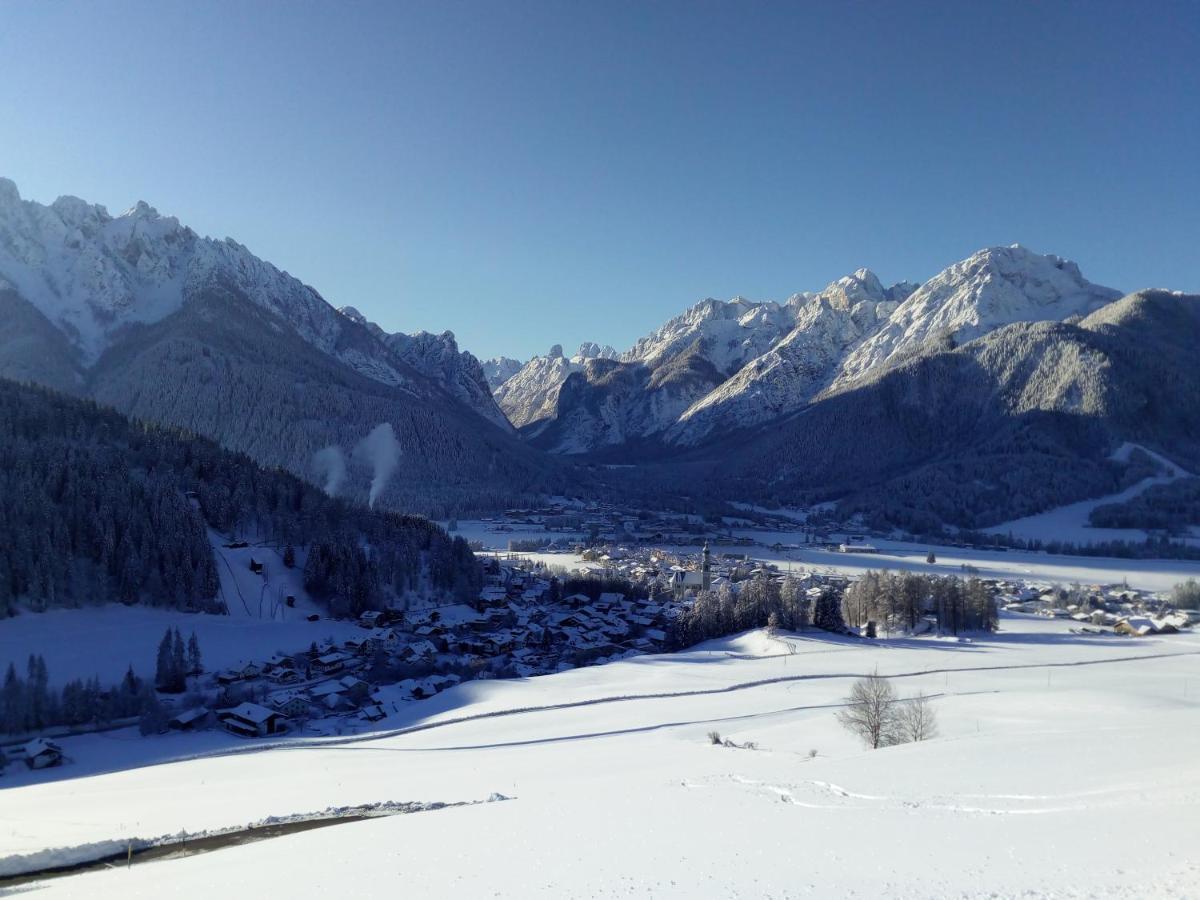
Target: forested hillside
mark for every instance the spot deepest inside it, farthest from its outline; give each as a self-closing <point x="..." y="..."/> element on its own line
<point x="96" y="508"/>
<point x="1018" y="421"/>
<point x="141" y="313"/>
<point x="1023" y="419"/>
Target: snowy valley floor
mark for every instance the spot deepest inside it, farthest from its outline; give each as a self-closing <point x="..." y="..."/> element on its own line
<point x="1065" y="768"/>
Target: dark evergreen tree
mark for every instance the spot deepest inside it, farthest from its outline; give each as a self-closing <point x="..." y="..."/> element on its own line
<point x="164" y="673"/>
<point x="827" y="612"/>
<point x="194" y="663"/>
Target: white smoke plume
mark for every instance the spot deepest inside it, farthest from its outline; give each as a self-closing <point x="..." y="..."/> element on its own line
<point x="330" y="464"/>
<point x="381" y="449"/>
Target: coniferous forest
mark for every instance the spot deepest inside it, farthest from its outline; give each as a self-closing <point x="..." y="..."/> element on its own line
<point x="97" y="508"/>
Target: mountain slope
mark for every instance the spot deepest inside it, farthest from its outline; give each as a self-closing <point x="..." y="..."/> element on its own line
<point x="991" y="288"/>
<point x="531" y="394"/>
<point x="93" y="276"/>
<point x="143" y="314"/>
<point x="720" y="367"/>
<point x="800" y="365"/>
<point x="436" y="356"/>
<point x="96" y="508"/>
<point x="1017" y="421"/>
<point x="499" y="369"/>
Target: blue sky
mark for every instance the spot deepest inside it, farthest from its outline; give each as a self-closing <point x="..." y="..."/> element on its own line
<point x="535" y="173"/>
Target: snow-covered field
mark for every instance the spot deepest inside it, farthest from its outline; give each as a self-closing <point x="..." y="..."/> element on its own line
<point x="1065" y="768"/>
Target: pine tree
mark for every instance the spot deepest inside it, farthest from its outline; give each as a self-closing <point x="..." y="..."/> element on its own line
<point x="827" y="613"/>
<point x="163" y="680"/>
<point x="194" y="664"/>
<point x="13" y="697"/>
<point x="178" y="664"/>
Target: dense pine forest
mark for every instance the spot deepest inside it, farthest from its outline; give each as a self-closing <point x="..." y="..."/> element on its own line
<point x="97" y="508"/>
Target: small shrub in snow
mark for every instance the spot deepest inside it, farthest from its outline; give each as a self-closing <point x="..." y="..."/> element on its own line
<point x="916" y="719"/>
<point x="714" y="737"/>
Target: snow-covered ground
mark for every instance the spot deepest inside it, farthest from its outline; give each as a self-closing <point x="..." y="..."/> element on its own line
<point x="249" y="594"/>
<point x="1063" y="769"/>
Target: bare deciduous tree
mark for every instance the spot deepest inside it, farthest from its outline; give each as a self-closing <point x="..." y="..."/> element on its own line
<point x="916" y="719"/>
<point x="870" y="712"/>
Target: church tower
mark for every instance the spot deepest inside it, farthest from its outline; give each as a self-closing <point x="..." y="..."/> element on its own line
<point x="706" y="569"/>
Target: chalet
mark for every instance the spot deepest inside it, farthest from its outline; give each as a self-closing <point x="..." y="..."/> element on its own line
<point x="372" y="713"/>
<point x="326" y="689"/>
<point x="283" y="676"/>
<point x="189" y="719"/>
<point x="248" y="671"/>
<point x="293" y="704"/>
<point x="331" y="662"/>
<point x="255" y="566"/>
<point x="418" y="650"/>
<point x="357" y="646"/>
<point x="228" y="676"/>
<point x="354" y="688"/>
<point x="385" y="639"/>
<point x="252" y="720"/>
<point x="369" y="619"/>
<point x="42" y="754"/>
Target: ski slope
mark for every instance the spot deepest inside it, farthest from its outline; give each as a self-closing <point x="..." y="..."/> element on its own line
<point x="1063" y="769"/>
<point x="1071" y="522"/>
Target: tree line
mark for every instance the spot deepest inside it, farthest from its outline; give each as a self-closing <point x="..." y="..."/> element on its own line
<point x="896" y="602"/>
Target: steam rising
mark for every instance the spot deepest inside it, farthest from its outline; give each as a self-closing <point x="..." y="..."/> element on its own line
<point x="330" y="465"/>
<point x="381" y="449"/>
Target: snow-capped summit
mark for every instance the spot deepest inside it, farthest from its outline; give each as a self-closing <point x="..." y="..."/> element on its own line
<point x="725" y="333"/>
<point x="592" y="350"/>
<point x="798" y="366"/>
<point x="93" y="275"/>
<point x="499" y="369"/>
<point x="994" y="287"/>
<point x="727" y="365"/>
<point x="437" y="357"/>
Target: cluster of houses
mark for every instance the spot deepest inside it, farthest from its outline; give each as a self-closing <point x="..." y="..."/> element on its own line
<point x="519" y="626"/>
<point x="1115" y="607"/>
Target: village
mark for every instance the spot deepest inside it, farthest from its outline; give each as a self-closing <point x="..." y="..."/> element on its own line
<point x="535" y="616"/>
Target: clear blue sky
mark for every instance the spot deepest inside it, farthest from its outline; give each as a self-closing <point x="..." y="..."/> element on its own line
<point x="533" y="173"/>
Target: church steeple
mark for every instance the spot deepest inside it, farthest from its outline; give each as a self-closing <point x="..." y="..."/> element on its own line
<point x="705" y="569"/>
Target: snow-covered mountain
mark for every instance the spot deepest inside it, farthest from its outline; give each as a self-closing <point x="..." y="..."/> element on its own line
<point x="437" y="357"/>
<point x="140" y="313"/>
<point x="93" y="275"/>
<point x="736" y="365"/>
<point x="499" y="369"/>
<point x="994" y="287"/>
<point x="650" y="385"/>
<point x="727" y="333"/>
<point x="531" y="394"/>
<point x="797" y="367"/>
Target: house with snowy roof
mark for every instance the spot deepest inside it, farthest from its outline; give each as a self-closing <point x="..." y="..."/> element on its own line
<point x="252" y="720"/>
